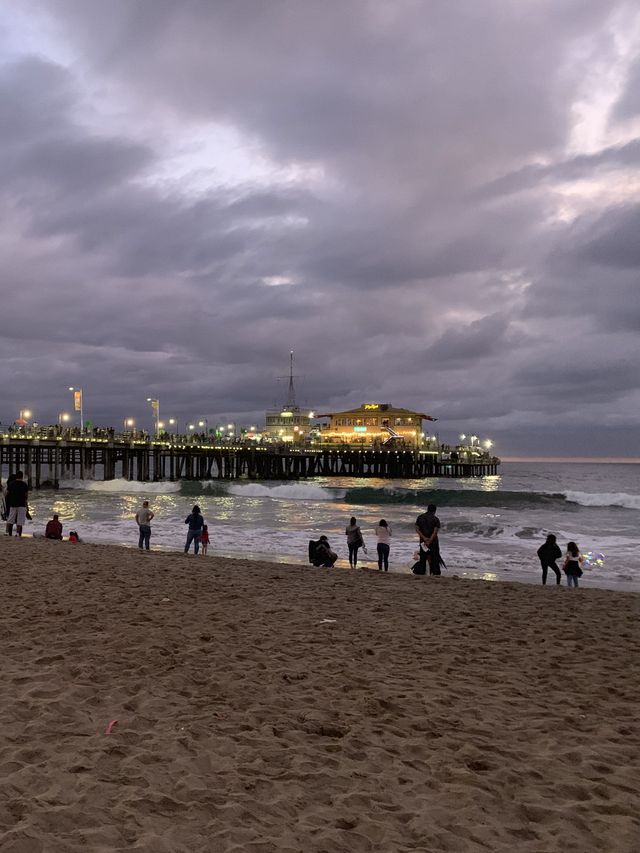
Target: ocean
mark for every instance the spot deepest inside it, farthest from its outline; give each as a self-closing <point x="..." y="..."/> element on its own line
<point x="491" y="526"/>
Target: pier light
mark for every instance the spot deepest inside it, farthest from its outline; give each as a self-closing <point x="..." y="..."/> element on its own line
<point x="25" y="414"/>
<point x="462" y="436"/>
<point x="488" y="443"/>
<point x="63" y="417"/>
<point x="252" y="429"/>
<point x="311" y="415"/>
<point x="192" y="427"/>
<point x="473" y="438"/>
<point x="129" y="423"/>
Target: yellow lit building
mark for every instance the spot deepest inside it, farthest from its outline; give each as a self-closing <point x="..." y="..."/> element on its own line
<point x="374" y="425"/>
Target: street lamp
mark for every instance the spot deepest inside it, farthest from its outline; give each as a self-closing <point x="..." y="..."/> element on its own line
<point x="473" y="438"/>
<point x="462" y="436"/>
<point x="204" y="423"/>
<point x="488" y="443"/>
<point x="24" y="416"/>
<point x="155" y="408"/>
<point x="63" y="418"/>
<point x="78" y="403"/>
<point x="129" y="423"/>
<point x="172" y="423"/>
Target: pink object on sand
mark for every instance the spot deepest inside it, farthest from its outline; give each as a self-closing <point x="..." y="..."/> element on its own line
<point x="109" y="728"/>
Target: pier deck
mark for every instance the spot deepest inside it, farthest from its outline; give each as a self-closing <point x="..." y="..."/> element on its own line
<point x="47" y="461"/>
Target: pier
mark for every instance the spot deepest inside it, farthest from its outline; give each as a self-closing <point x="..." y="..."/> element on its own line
<point x="47" y="460"/>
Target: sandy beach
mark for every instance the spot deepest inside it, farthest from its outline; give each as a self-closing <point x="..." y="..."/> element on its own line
<point x="274" y="708"/>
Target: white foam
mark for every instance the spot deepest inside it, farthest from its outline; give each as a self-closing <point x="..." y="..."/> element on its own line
<point x="621" y="499"/>
<point x="121" y="486"/>
<point x="286" y="492"/>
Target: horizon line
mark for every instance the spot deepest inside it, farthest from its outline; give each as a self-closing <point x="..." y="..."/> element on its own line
<point x="598" y="460"/>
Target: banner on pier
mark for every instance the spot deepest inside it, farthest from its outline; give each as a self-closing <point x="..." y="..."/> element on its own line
<point x="77" y="401"/>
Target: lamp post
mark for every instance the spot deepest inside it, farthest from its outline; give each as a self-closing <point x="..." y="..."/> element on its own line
<point x="155" y="408"/>
<point x="129" y="424"/>
<point x="204" y="424"/>
<point x="232" y="431"/>
<point x="23" y="417"/>
<point x="78" y="403"/>
<point x="173" y="423"/>
<point x="63" y="418"/>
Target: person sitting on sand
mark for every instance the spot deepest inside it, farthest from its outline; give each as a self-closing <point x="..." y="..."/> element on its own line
<point x="548" y="554"/>
<point x="320" y="553"/>
<point x="196" y="523"/>
<point x="53" y="529"/>
<point x="73" y="536"/>
<point x="204" y="539"/>
<point x="573" y="564"/>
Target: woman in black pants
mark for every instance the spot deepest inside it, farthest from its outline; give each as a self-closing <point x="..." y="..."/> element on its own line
<point x="354" y="541"/>
<point x="548" y="554"/>
<point x="383" y="534"/>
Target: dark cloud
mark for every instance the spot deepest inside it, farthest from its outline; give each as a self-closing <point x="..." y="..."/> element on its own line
<point x="402" y="167"/>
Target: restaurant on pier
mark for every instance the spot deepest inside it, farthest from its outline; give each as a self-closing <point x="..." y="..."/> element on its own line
<point x="375" y="425"/>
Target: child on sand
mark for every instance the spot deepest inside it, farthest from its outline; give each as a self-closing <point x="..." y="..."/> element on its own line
<point x="573" y="564"/>
<point x="204" y="539"/>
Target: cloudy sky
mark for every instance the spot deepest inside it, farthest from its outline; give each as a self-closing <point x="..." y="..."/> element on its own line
<point x="435" y="203"/>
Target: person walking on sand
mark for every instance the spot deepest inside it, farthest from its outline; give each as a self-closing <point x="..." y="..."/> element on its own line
<point x="548" y="554"/>
<point x="383" y="534"/>
<point x="144" y="517"/>
<point x="204" y="539"/>
<point x="427" y="528"/>
<point x="17" y="506"/>
<point x="354" y="541"/>
<point x="573" y="564"/>
<point x="196" y="523"/>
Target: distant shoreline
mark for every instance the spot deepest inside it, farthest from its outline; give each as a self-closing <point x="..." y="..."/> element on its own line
<point x="595" y="460"/>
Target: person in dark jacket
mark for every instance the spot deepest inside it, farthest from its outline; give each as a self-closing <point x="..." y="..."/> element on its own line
<point x="53" y="529"/>
<point x="548" y="554"/>
<point x="320" y="553"/>
<point x="196" y="523"/>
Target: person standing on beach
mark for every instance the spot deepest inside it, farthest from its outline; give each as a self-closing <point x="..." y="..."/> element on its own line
<point x="548" y="554"/>
<point x="204" y="539"/>
<point x="427" y="527"/>
<point x="354" y="541"/>
<point x="573" y="564"/>
<point x="17" y="507"/>
<point x="196" y="523"/>
<point x="383" y="533"/>
<point x="144" y="517"/>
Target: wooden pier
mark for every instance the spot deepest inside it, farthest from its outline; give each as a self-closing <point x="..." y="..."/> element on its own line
<point x="47" y="461"/>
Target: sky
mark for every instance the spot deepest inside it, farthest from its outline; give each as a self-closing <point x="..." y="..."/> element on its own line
<point x="434" y="203"/>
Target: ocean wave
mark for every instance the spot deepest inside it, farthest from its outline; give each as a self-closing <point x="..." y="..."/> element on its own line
<point x="121" y="486"/>
<point x="620" y="499"/>
<point x="280" y="491"/>
<point x="454" y="497"/>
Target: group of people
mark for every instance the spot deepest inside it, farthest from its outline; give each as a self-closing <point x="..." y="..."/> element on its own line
<point x="427" y="527"/>
<point x="550" y="552"/>
<point x="15" y="511"/>
<point x="197" y="533"/>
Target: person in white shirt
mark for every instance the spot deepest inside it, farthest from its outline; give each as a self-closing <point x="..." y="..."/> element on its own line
<point x="143" y="520"/>
<point x="383" y="534"/>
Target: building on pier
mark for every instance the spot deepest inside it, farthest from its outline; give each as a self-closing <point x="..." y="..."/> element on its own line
<point x="289" y="424"/>
<point x="376" y="425"/>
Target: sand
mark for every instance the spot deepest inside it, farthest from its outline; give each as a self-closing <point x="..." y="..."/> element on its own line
<point x="275" y="708"/>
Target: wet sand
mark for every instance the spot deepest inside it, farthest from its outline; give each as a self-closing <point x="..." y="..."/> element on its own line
<point x="265" y="707"/>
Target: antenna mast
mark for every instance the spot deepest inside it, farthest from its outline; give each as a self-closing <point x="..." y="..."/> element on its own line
<point x="291" y="397"/>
